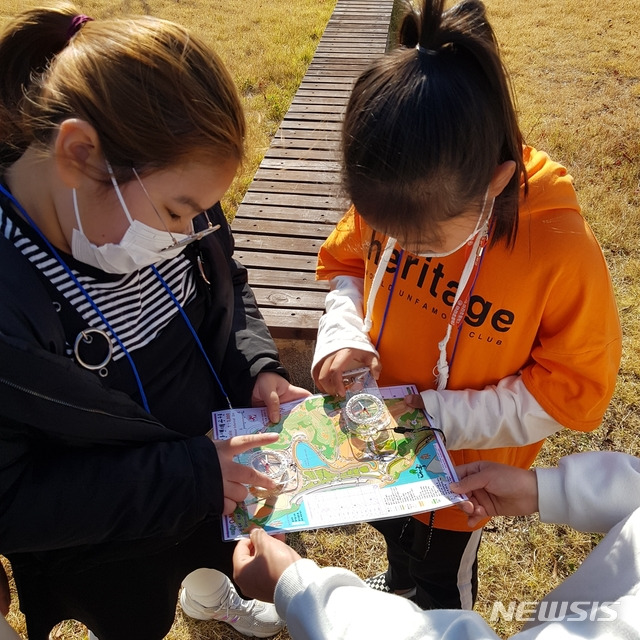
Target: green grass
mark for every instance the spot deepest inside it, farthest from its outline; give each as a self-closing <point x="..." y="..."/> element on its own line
<point x="576" y="71"/>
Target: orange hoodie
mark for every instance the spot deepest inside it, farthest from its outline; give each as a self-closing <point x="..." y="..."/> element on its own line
<point x="543" y="309"/>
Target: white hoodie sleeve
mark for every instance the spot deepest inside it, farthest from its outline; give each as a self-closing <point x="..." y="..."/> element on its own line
<point x="594" y="491"/>
<point x="589" y="491"/>
<point x="502" y="415"/>
<point x="334" y="604"/>
<point x="342" y="326"/>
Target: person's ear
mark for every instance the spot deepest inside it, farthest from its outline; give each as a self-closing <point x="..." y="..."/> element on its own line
<point x="77" y="152"/>
<point x="501" y="177"/>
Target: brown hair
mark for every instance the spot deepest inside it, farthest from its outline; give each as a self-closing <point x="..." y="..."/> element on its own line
<point x="154" y="93"/>
<point x="427" y="125"/>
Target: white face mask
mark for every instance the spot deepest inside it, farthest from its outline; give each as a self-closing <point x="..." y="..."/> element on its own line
<point x="481" y="225"/>
<point x="141" y="245"/>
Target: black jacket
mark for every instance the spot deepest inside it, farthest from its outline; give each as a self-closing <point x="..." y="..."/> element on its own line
<point x="82" y="463"/>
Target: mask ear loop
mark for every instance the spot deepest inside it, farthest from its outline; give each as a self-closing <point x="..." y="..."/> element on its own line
<point x="114" y="182"/>
<point x="164" y="283"/>
<point x="74" y="197"/>
<point x="189" y="237"/>
<point x="146" y="193"/>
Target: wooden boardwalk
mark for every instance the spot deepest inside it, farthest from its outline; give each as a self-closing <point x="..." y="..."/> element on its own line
<point x="294" y="199"/>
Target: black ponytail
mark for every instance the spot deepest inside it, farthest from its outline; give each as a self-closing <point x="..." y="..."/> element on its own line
<point x="427" y="126"/>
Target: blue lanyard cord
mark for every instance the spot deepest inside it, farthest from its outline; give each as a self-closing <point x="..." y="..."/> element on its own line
<point x="386" y="308"/>
<point x="84" y="292"/>
<point x="193" y="333"/>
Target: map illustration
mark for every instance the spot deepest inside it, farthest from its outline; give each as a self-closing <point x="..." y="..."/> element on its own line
<point x="329" y="476"/>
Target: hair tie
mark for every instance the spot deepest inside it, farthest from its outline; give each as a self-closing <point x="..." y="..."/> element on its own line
<point x="421" y="49"/>
<point x="76" y="25"/>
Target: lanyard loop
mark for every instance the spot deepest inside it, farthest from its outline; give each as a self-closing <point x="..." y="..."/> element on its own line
<point x="461" y="303"/>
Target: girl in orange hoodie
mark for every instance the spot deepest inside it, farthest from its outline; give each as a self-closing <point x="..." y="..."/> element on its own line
<point x="465" y="267"/>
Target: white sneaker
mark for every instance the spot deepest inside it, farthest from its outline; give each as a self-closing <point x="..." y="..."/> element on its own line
<point x="249" y="617"/>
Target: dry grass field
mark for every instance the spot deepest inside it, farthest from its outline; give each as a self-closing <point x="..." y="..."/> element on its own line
<point x="575" y="67"/>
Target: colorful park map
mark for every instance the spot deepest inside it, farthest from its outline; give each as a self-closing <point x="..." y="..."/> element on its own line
<point x="329" y="477"/>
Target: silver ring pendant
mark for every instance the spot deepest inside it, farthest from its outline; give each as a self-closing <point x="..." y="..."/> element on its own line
<point x="88" y="339"/>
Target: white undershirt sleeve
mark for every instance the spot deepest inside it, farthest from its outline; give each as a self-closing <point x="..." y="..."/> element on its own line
<point x="502" y="415"/>
<point x="342" y="326"/>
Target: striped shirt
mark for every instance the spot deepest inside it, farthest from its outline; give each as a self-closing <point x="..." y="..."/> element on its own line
<point x="136" y="305"/>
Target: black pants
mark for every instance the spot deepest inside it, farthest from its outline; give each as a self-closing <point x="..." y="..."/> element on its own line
<point x="441" y="564"/>
<point x="129" y="598"/>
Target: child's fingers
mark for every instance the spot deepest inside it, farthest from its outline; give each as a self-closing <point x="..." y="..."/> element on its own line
<point x="243" y="552"/>
<point x="466" y="506"/>
<point x="414" y="400"/>
<point x="240" y="444"/>
<point x="469" y="483"/>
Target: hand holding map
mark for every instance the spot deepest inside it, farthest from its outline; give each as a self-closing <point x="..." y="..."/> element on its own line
<point x="328" y="476"/>
<point x="236" y="476"/>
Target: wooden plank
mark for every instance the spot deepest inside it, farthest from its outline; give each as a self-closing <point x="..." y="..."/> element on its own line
<point x="287" y="163"/>
<point x="284" y="134"/>
<point x="278" y="244"/>
<point x="326" y="216"/>
<point x="325" y="110"/>
<point x="289" y="298"/>
<point x="295" y="188"/>
<point x="286" y="279"/>
<point x="318" y="201"/>
<point x="327" y="101"/>
<point x="304" y="230"/>
<point x="308" y="142"/>
<point x="298" y="174"/>
<point x="289" y="263"/>
<point x="292" y="324"/>
<point x="289" y="123"/>
<point x="322" y="80"/>
<point x="296" y="198"/>
<point x="306" y="155"/>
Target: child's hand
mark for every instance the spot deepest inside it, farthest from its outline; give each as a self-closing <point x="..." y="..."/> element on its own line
<point x="496" y="490"/>
<point x="236" y="476"/>
<point x="272" y="389"/>
<point x="414" y="400"/>
<point x="328" y="373"/>
<point x="259" y="562"/>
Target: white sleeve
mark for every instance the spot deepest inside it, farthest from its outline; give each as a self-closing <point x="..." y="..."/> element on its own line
<point x="502" y="415"/>
<point x="590" y="491"/>
<point x="334" y="604"/>
<point x="342" y="326"/>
